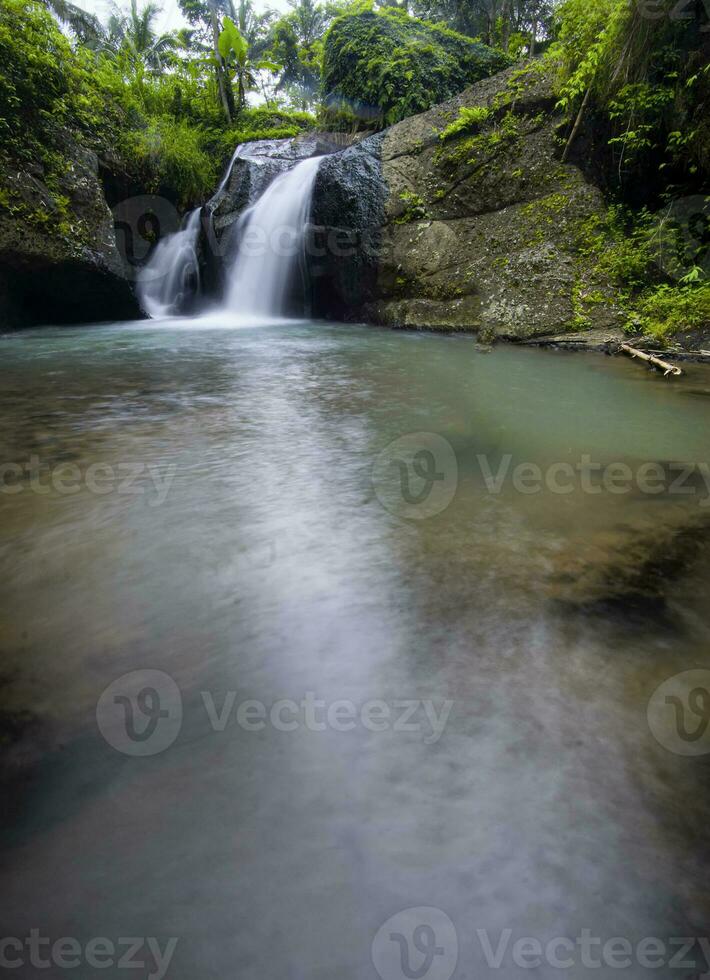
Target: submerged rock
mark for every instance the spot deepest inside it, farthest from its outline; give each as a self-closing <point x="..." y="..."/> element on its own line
<point x="628" y="568"/>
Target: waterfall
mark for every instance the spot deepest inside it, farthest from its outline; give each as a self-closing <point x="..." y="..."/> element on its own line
<point x="240" y="151"/>
<point x="172" y="275"/>
<point x="271" y="244"/>
<point x="269" y="258"/>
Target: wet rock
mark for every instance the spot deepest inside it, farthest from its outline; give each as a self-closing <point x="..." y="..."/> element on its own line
<point x="60" y="263"/>
<point x="253" y="168"/>
<point x="477" y="232"/>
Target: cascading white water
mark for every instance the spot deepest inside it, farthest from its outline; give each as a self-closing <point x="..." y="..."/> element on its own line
<point x="270" y="252"/>
<point x="271" y="239"/>
<point x="172" y="274"/>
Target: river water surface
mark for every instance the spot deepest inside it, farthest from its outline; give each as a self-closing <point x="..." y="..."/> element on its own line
<point x="273" y="544"/>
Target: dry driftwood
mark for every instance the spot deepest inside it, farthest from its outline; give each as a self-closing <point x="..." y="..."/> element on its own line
<point x="652" y="359"/>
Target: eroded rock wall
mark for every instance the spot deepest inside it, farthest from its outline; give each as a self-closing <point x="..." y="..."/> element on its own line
<point x="480" y="231"/>
<point x="61" y="267"/>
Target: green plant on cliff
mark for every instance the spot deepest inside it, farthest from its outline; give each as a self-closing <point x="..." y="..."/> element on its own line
<point x="386" y="65"/>
<point x="631" y="249"/>
<point x="642" y="76"/>
<point x="168" y="156"/>
<point x="469" y="119"/>
<point x="668" y="310"/>
<point x="43" y="85"/>
<point x="497" y="136"/>
<point x="415" y="209"/>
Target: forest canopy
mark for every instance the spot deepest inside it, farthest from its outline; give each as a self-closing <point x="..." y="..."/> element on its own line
<point x="167" y="110"/>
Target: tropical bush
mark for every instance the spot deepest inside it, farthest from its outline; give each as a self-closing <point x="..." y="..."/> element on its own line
<point x="468" y="119"/>
<point x="44" y="85"/>
<point x="643" y="83"/>
<point x="386" y="65"/>
<point x="168" y="157"/>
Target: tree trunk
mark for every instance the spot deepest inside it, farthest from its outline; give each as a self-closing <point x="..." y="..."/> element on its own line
<point x="219" y="70"/>
<point x="577" y="125"/>
<point x="533" y="39"/>
<point x="505" y="25"/>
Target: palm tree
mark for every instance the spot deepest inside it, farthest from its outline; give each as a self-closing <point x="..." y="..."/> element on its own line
<point x="84" y="25"/>
<point x="133" y="30"/>
<point x="234" y="49"/>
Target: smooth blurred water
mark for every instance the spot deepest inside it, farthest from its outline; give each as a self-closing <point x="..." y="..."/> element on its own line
<point x="271" y="567"/>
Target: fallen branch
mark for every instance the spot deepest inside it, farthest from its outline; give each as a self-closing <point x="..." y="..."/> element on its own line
<point x="652" y="359"/>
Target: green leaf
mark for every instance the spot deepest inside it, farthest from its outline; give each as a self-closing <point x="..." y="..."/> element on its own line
<point x="230" y="40"/>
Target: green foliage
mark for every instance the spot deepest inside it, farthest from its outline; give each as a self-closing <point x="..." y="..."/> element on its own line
<point x="498" y="22"/>
<point x="234" y="49"/>
<point x="628" y="247"/>
<point x="642" y="106"/>
<point x="263" y="123"/>
<point x="668" y="310"/>
<point x="468" y="119"/>
<point x="43" y="85"/>
<point x="475" y="151"/>
<point x="644" y="77"/>
<point x="386" y="65"/>
<point x="168" y="156"/>
<point x="622" y="246"/>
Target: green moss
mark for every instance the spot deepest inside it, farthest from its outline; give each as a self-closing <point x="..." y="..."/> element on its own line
<point x="519" y="82"/>
<point x="547" y="209"/>
<point x="384" y="65"/>
<point x="415" y="210"/>
<point x="503" y="135"/>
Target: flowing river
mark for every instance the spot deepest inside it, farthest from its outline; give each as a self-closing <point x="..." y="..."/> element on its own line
<point x="368" y="679"/>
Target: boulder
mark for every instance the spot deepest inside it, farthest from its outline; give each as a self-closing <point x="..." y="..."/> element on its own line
<point x="479" y="231"/>
<point x="59" y="257"/>
<point x="253" y="167"/>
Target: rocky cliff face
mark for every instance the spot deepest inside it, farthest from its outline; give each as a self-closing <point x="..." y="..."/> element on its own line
<point x="253" y="168"/>
<point x="60" y="263"/>
<point x="479" y="231"/>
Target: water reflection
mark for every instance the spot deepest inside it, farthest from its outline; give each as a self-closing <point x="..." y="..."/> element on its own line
<point x="271" y="569"/>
